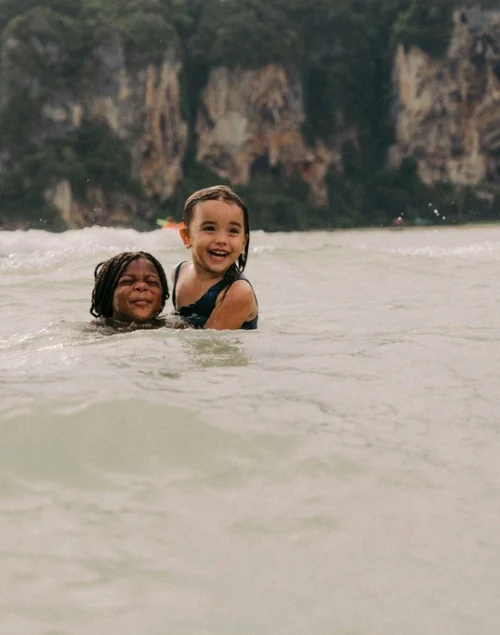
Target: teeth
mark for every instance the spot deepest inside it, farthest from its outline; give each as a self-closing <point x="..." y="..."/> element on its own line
<point x="219" y="253"/>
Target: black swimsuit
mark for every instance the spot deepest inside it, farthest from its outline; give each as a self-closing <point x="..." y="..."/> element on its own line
<point x="197" y="314"/>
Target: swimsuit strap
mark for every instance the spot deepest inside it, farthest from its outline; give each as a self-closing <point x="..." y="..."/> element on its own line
<point x="176" y="278"/>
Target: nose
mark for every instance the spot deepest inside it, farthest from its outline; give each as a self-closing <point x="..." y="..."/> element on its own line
<point x="221" y="238"/>
<point x="140" y="285"/>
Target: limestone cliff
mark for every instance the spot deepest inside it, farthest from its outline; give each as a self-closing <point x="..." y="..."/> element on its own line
<point x="250" y="120"/>
<point x="447" y="110"/>
<point x="142" y="106"/>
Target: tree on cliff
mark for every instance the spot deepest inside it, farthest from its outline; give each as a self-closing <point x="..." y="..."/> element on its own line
<point x="426" y="24"/>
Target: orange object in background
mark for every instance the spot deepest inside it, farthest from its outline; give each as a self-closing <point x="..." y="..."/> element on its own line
<point x="167" y="223"/>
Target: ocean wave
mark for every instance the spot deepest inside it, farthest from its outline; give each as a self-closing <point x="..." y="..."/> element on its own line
<point x="474" y="251"/>
<point x="468" y="243"/>
<point x="38" y="250"/>
<point x="35" y="251"/>
<point x="75" y="441"/>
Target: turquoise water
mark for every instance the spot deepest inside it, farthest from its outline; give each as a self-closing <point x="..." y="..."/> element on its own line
<point x="335" y="472"/>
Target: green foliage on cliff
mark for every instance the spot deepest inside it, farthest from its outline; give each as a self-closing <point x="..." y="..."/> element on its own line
<point x="89" y="156"/>
<point x="426" y="24"/>
<point x="144" y="25"/>
<point x="341" y="51"/>
<point x="45" y="44"/>
<point x="246" y="33"/>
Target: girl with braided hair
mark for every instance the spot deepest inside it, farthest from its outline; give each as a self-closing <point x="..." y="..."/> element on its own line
<point x="211" y="291"/>
<point x="130" y="291"/>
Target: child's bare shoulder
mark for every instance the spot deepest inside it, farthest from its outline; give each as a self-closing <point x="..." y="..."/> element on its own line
<point x="242" y="288"/>
<point x="239" y="293"/>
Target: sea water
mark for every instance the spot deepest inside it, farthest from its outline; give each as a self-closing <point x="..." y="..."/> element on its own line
<point x="335" y="472"/>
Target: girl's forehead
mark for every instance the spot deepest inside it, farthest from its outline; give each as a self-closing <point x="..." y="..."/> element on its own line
<point x="218" y="210"/>
<point x="140" y="265"/>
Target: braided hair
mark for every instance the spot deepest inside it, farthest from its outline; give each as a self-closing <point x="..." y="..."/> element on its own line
<point x="107" y="274"/>
<point x="226" y="194"/>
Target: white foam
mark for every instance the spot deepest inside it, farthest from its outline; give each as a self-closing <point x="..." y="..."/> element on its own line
<point x="37" y="250"/>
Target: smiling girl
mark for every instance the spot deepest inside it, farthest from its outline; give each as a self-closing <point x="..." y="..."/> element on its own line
<point x="130" y="291"/>
<point x="211" y="291"/>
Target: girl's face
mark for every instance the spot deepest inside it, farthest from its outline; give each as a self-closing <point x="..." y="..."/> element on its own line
<point x="216" y="235"/>
<point x="138" y="293"/>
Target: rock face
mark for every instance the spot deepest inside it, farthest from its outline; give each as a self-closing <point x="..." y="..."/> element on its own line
<point x="142" y="106"/>
<point x="140" y="103"/>
<point x="250" y="121"/>
<point x="447" y="110"/>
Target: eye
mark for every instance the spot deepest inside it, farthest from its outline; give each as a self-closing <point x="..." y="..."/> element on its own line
<point x="123" y="281"/>
<point x="153" y="282"/>
<point x="235" y="231"/>
<point x="208" y="228"/>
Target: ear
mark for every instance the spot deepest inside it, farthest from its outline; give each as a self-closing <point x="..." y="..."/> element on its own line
<point x="184" y="234"/>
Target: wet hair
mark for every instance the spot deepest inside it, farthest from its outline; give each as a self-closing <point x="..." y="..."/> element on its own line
<point x="107" y="274"/>
<point x="226" y="194"/>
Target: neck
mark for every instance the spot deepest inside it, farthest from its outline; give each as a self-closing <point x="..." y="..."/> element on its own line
<point x="205" y="274"/>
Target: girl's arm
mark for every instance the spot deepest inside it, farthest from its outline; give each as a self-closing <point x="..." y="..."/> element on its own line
<point x="237" y="305"/>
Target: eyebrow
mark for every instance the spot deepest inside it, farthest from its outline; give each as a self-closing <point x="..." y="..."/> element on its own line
<point x="213" y="222"/>
<point x="133" y="275"/>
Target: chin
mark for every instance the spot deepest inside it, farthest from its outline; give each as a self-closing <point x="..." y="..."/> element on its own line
<point x="138" y="319"/>
<point x="219" y="267"/>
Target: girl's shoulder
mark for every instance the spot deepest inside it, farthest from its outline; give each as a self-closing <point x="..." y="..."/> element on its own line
<point x="242" y="294"/>
<point x="240" y="288"/>
<point x="238" y="292"/>
<point x="245" y="286"/>
<point x="236" y="307"/>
